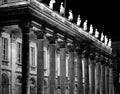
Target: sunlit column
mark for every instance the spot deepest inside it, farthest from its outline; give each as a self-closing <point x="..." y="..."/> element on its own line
<point x="71" y="69"/>
<point x="40" y="60"/>
<point x="25" y="27"/>
<point x="92" y="73"/>
<point x="79" y="70"/>
<point x="52" y="77"/>
<point x="86" y="71"/>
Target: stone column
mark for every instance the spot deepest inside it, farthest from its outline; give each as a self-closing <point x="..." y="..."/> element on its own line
<point x="86" y="71"/>
<point x="13" y="60"/>
<point x="97" y="75"/>
<point x="1" y="60"/>
<point x="92" y="74"/>
<point x="25" y="27"/>
<point x="106" y="77"/>
<point x="40" y="60"/>
<point x="52" y="78"/>
<point x="110" y="78"/>
<point x="102" y="81"/>
<point x="79" y="71"/>
<point x="71" y="69"/>
<point x="63" y="67"/>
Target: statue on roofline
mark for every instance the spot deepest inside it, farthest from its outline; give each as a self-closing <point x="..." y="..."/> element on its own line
<point x="85" y="25"/>
<point x="78" y="20"/>
<point x="106" y="40"/>
<point x="96" y="33"/>
<point x="102" y="37"/>
<point x="62" y="9"/>
<point x="109" y="43"/>
<point x="91" y="29"/>
<point x="51" y="3"/>
<point x="70" y="17"/>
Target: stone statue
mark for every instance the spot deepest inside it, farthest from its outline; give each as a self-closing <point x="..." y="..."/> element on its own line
<point x="109" y="43"/>
<point x="106" y="40"/>
<point x="62" y="9"/>
<point x="102" y="37"/>
<point x="70" y="17"/>
<point x="78" y="20"/>
<point x="51" y="4"/>
<point x="96" y="33"/>
<point x="85" y="25"/>
<point x="91" y="29"/>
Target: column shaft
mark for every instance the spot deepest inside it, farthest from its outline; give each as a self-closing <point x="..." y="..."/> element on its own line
<point x="102" y="81"/>
<point x="79" y="74"/>
<point x="52" y="68"/>
<point x="86" y="73"/>
<point x="106" y="80"/>
<point x="0" y="63"/>
<point x="92" y="77"/>
<point x="40" y="66"/>
<point x="25" y="58"/>
<point x="110" y="81"/>
<point x="97" y="72"/>
<point x="71" y="74"/>
<point x="62" y="70"/>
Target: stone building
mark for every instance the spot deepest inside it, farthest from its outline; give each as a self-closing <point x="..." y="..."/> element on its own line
<point x="116" y="66"/>
<point x="46" y="54"/>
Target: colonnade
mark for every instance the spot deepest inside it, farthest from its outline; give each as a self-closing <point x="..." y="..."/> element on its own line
<point x="94" y="70"/>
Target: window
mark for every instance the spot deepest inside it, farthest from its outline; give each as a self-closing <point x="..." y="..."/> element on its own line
<point x="4" y="48"/>
<point x="19" y="52"/>
<point x="32" y="56"/>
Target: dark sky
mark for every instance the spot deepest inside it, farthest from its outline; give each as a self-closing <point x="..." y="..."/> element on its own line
<point x="103" y="14"/>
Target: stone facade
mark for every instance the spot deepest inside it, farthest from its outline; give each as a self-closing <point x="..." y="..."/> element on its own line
<point x="47" y="54"/>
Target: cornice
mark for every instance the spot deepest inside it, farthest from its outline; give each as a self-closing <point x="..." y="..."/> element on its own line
<point x="49" y="17"/>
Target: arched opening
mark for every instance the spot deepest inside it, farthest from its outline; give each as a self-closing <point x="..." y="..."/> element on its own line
<point x="32" y="86"/>
<point x="5" y="84"/>
<point x="18" y="85"/>
<point x="45" y="87"/>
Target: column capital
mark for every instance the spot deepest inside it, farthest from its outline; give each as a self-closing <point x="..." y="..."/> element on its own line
<point x="40" y="33"/>
<point x="97" y="57"/>
<point x="85" y="54"/>
<point x="25" y="26"/>
<point x="110" y="63"/>
<point x="106" y="61"/>
<point x="70" y="47"/>
<point x="62" y="44"/>
<point x="78" y="50"/>
<point x="92" y="56"/>
<point x="102" y="59"/>
<point x="1" y="31"/>
<point x="52" y="38"/>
